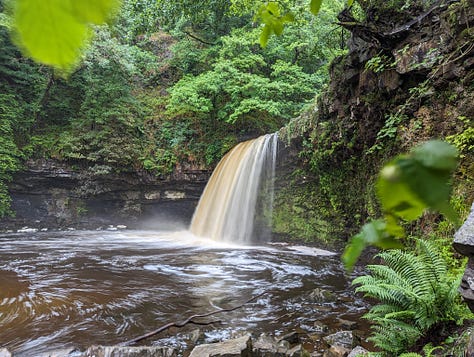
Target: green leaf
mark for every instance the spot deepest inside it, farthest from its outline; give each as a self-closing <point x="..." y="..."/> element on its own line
<point x="55" y="32"/>
<point x="349" y="3"/>
<point x="353" y="251"/>
<point x="372" y="233"/>
<point x="315" y="6"/>
<point x="94" y="11"/>
<point x="396" y="196"/>
<point x="437" y="154"/>
<point x="265" y="35"/>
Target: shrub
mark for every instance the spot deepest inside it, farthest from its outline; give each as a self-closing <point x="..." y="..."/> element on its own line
<point x="416" y="294"/>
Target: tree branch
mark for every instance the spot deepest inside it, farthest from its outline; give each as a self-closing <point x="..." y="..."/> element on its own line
<point x="198" y="39"/>
<point x="187" y="321"/>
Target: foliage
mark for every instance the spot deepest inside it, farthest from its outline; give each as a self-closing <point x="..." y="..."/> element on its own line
<point x="407" y="186"/>
<point x="60" y="40"/>
<point x="416" y="294"/>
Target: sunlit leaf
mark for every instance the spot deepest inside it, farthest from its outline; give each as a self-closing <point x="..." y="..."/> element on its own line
<point x="265" y="35"/>
<point x="349" y="3"/>
<point x="94" y="11"/>
<point x="315" y="6"/>
<point x="274" y="23"/>
<point x="273" y="9"/>
<point x="54" y="32"/>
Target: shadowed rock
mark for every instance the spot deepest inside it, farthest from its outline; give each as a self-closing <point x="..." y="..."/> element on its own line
<point x="464" y="244"/>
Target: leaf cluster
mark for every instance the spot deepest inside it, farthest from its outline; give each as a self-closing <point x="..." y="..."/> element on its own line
<point x="406" y="187"/>
<point x="416" y="293"/>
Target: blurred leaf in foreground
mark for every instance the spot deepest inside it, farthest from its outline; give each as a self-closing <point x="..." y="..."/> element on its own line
<point x="406" y="187"/>
<point x="55" y="32"/>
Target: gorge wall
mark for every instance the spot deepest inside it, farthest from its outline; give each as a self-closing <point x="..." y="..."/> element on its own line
<point x="408" y="77"/>
<point x="53" y="194"/>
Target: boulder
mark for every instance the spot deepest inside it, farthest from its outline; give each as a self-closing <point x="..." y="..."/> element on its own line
<point x="343" y="339"/>
<point x="320" y="296"/>
<point x="122" y="351"/>
<point x="464" y="244"/>
<point x="358" y="352"/>
<point x="336" y="351"/>
<point x="269" y="346"/>
<point x="238" y="347"/>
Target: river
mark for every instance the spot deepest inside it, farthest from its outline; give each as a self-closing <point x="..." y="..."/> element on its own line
<point x="98" y="287"/>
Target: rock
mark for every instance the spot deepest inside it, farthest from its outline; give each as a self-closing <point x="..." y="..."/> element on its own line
<point x="269" y="346"/>
<point x="231" y="348"/>
<point x="154" y="195"/>
<point x="319" y="295"/>
<point x="122" y="351"/>
<point x="320" y="328"/>
<point x="358" y="351"/>
<point x="464" y="237"/>
<point x="27" y="230"/>
<point x="469" y="348"/>
<point x="297" y="351"/>
<point x="336" y="351"/>
<point x="343" y="339"/>
<point x="63" y="352"/>
<point x="346" y="324"/>
<point x="175" y="195"/>
<point x="291" y="337"/>
<point x="420" y="56"/>
<point x="5" y="353"/>
<point x="464" y="244"/>
<point x="195" y="336"/>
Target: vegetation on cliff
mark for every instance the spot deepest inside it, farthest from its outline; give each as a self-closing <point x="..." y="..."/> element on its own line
<point x="166" y="85"/>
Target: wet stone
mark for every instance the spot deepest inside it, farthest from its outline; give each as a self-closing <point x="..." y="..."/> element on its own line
<point x="320" y="296"/>
<point x="292" y="337"/>
<point x="231" y="348"/>
<point x="269" y="346"/>
<point x="5" y="353"/>
<point x="347" y="324"/>
<point x="343" y="339"/>
<point x="320" y="328"/>
<point x="121" y="351"/>
<point x="336" y="351"/>
<point x="63" y="352"/>
<point x="358" y="352"/>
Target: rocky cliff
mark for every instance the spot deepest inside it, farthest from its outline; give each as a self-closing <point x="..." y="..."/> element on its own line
<point x="406" y="78"/>
<point x="53" y="194"/>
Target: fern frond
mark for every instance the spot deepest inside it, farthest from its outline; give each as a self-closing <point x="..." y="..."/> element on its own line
<point x="432" y="257"/>
<point x="411" y="268"/>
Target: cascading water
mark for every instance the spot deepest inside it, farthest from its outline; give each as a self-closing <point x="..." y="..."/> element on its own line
<point x="242" y="181"/>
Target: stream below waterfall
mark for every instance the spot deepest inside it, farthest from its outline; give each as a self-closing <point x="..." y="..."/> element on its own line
<point x="98" y="287"/>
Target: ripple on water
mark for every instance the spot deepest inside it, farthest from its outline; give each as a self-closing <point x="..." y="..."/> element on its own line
<point x="58" y="288"/>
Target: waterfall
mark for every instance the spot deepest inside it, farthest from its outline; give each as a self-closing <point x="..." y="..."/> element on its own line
<point x="241" y="183"/>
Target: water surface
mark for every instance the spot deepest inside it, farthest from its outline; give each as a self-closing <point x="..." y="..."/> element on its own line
<point x="97" y="287"/>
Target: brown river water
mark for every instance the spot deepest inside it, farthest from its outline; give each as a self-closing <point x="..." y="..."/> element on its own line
<point x="80" y="288"/>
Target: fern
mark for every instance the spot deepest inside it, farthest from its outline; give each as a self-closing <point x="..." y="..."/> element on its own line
<point x="415" y="293"/>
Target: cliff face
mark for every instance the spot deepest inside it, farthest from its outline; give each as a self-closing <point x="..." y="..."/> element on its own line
<point x="395" y="88"/>
<point x="53" y="194"/>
